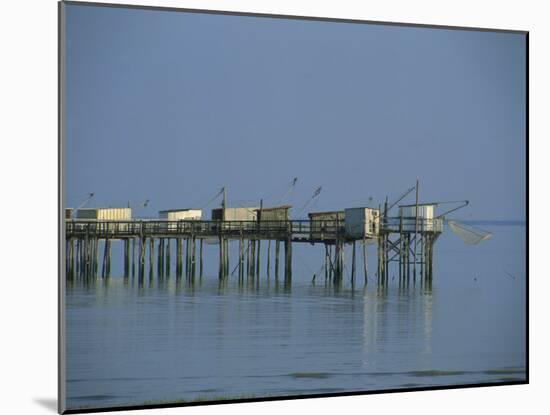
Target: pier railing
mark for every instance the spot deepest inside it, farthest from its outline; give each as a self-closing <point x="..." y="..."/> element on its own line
<point x="408" y="225"/>
<point x="297" y="230"/>
<point x="164" y="228"/>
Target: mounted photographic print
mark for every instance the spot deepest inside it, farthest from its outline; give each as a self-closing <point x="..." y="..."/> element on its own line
<point x="264" y="207"/>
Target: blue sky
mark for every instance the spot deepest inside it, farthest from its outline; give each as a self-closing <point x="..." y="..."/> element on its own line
<point x="172" y="106"/>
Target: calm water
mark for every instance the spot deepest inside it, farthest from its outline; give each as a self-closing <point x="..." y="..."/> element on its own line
<point x="130" y="344"/>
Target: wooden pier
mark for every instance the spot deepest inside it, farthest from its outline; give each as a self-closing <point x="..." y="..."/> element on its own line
<point x="404" y="241"/>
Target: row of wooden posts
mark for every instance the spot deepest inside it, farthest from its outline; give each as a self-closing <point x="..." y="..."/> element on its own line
<point x="83" y="258"/>
<point x="414" y="254"/>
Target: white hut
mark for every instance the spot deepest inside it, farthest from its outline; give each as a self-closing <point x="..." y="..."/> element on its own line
<point x="181" y="214"/>
<point x="362" y="222"/>
<point x="104" y="214"/>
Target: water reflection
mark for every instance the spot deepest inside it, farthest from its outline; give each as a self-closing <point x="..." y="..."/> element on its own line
<point x="178" y="338"/>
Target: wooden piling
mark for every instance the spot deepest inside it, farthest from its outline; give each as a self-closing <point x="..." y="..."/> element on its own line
<point x="151" y="256"/>
<point x="107" y="258"/>
<point x="258" y="258"/>
<point x="226" y="253"/>
<point x="365" y="263"/>
<point x="277" y="251"/>
<point x="222" y="259"/>
<point x="168" y="259"/>
<point x="248" y="249"/>
<point x="133" y="257"/>
<point x="241" y="258"/>
<point x="159" y="258"/>
<point x="193" y="257"/>
<point x="200" y="258"/>
<point x="83" y="249"/>
<point x="288" y="261"/>
<point x="326" y="261"/>
<point x="353" y="263"/>
<point x="141" y="271"/>
<point x="415" y="233"/>
<point x="179" y="253"/>
<point x="187" y="258"/>
<point x="253" y="258"/>
<point x="268" y="256"/>
<point x="68" y="244"/>
<point x="126" y="258"/>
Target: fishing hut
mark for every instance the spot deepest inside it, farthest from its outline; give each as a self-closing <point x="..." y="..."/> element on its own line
<point x="324" y="225"/>
<point x="107" y="214"/>
<point x="238" y="223"/>
<point x="180" y="214"/>
<point x="273" y="223"/>
<point x="172" y="216"/>
<point x="407" y="240"/>
<point x="361" y="223"/>
<point x="178" y="227"/>
<point x="239" y="214"/>
<point x="273" y="214"/>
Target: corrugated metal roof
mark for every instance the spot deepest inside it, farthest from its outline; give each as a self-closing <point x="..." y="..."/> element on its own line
<point x="103" y="208"/>
<point x="178" y="210"/>
<point x="327" y="212"/>
<point x="275" y="207"/>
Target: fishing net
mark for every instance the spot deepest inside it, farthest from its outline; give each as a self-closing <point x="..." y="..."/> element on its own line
<point x="468" y="234"/>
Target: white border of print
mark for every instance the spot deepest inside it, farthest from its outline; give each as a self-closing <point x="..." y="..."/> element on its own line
<point x="28" y="163"/>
